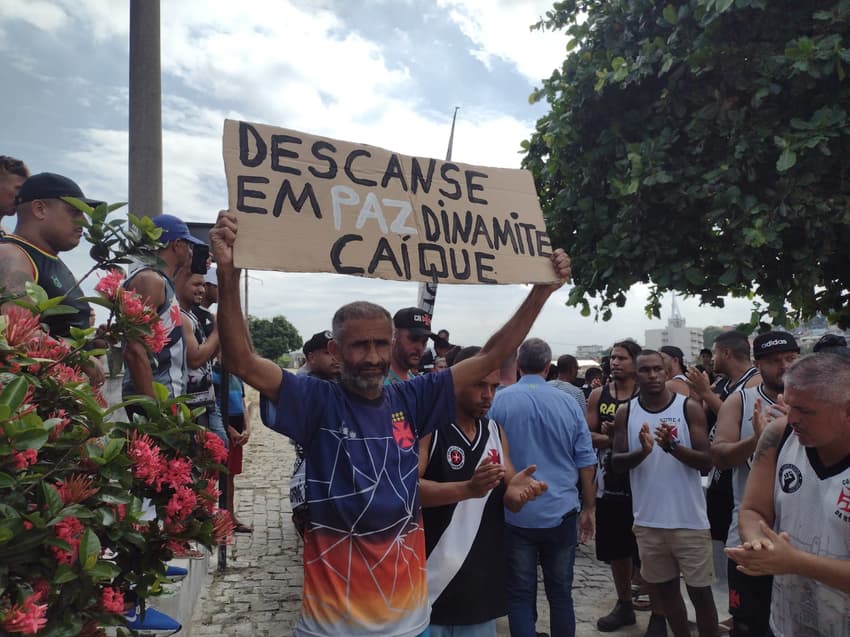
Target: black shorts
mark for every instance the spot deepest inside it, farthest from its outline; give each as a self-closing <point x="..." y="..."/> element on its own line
<point x="749" y="600"/>
<point x="614" y="521"/>
<point x="237" y="421"/>
<point x="719" y="505"/>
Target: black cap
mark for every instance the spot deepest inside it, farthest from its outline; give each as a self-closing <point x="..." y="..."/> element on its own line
<point x="51" y="186"/>
<point x="773" y="342"/>
<point x="829" y="342"/>
<point x="318" y="341"/>
<point x="415" y="319"/>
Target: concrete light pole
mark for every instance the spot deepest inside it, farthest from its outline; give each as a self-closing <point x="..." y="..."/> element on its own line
<point x="145" y="158"/>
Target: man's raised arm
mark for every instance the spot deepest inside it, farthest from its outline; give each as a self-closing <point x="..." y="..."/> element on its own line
<point x="511" y="335"/>
<point x="236" y="351"/>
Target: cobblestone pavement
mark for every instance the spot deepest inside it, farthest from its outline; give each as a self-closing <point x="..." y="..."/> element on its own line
<point x="259" y="593"/>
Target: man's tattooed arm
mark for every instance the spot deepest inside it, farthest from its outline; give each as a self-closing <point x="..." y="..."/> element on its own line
<point x="15" y="270"/>
<point x="768" y="442"/>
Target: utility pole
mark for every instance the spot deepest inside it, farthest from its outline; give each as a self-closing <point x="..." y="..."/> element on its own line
<point x="427" y="297"/>
<point x="145" y="159"/>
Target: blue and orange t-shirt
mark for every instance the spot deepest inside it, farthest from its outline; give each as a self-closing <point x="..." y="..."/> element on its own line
<point x="364" y="548"/>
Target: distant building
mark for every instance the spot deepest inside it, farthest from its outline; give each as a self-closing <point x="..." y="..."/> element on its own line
<point x="687" y="339"/>
<point x="589" y="351"/>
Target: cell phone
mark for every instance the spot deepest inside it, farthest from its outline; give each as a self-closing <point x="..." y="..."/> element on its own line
<point x="200" y="256"/>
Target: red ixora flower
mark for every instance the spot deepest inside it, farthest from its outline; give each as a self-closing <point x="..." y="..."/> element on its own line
<point x="209" y="497"/>
<point x="21" y="325"/>
<point x="62" y="421"/>
<point x="215" y="447"/>
<point x="112" y="600"/>
<point x="182" y="503"/>
<point x="223" y="526"/>
<point x="26" y="618"/>
<point x="148" y="463"/>
<point x="109" y="284"/>
<point x="135" y="309"/>
<point x="70" y="529"/>
<point x="158" y="338"/>
<point x="45" y="346"/>
<point x="24" y="459"/>
<point x="76" y="489"/>
<point x="179" y="472"/>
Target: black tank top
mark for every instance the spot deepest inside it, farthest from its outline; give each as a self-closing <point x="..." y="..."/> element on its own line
<point x="613" y="483"/>
<point x="56" y="279"/>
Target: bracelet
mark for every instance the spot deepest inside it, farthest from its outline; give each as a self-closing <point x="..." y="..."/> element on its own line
<point x="671" y="446"/>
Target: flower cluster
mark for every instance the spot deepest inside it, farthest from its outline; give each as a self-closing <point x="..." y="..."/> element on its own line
<point x="132" y="317"/>
<point x="26" y="618"/>
<point x="92" y="509"/>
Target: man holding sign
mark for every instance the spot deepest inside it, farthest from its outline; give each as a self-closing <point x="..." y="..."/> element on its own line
<point x="364" y="548"/>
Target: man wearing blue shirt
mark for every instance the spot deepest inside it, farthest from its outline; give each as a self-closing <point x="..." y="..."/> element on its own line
<point x="546" y="427"/>
<point x="364" y="545"/>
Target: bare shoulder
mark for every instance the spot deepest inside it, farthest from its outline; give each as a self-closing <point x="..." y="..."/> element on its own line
<point x="754" y="381"/>
<point x="16" y="268"/>
<point x="150" y="284"/>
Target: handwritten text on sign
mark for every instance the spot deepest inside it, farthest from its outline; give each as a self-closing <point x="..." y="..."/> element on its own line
<point x="312" y="204"/>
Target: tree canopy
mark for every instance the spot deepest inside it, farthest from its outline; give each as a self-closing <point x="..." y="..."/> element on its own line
<point x="274" y="337"/>
<point x="701" y="146"/>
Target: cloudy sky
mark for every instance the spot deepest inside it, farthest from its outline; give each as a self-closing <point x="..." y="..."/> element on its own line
<point x="384" y="72"/>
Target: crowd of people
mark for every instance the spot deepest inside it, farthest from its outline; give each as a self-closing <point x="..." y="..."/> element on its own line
<point x="430" y="485"/>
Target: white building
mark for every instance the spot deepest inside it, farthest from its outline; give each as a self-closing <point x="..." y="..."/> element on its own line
<point x="589" y="351"/>
<point x="687" y="339"/>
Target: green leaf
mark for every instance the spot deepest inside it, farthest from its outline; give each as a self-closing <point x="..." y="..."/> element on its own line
<point x="728" y="277"/>
<point x="112" y="449"/>
<point x="52" y="500"/>
<point x="161" y="392"/>
<point x="671" y="14"/>
<point x="104" y="570"/>
<point x="721" y="5"/>
<point x="59" y="310"/>
<point x="64" y="574"/>
<point x="35" y="292"/>
<point x="786" y="160"/>
<point x="694" y="276"/>
<point x="14" y="393"/>
<point x="30" y="439"/>
<point x="7" y="481"/>
<point x="89" y="549"/>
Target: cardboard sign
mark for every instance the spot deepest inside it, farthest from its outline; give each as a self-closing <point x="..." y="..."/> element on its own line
<point x="313" y="204"/>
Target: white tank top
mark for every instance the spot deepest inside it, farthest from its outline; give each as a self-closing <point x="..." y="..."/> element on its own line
<point x="749" y="395"/>
<point x="812" y="504"/>
<point x="666" y="493"/>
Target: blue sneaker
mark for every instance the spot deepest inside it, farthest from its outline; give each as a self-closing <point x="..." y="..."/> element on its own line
<point x="154" y="623"/>
<point x="175" y="573"/>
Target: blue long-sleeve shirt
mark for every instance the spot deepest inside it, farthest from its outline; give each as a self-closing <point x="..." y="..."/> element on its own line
<point x="546" y="427"/>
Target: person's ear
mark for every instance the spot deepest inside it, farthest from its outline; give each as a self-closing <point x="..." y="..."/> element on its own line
<point x="38" y="209"/>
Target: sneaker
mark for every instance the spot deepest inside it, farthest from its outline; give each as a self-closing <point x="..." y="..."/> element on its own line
<point x="175" y="573"/>
<point x="154" y="623"/>
<point x="622" y="615"/>
<point x="657" y="626"/>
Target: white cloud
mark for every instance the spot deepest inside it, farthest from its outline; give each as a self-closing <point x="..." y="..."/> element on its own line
<point x="42" y="14"/>
<point x="501" y="29"/>
<point x="306" y="69"/>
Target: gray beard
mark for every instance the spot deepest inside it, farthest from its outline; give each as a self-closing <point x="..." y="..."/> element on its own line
<point x="362" y="384"/>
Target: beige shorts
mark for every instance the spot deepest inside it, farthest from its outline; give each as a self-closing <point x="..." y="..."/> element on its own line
<point x="664" y="553"/>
